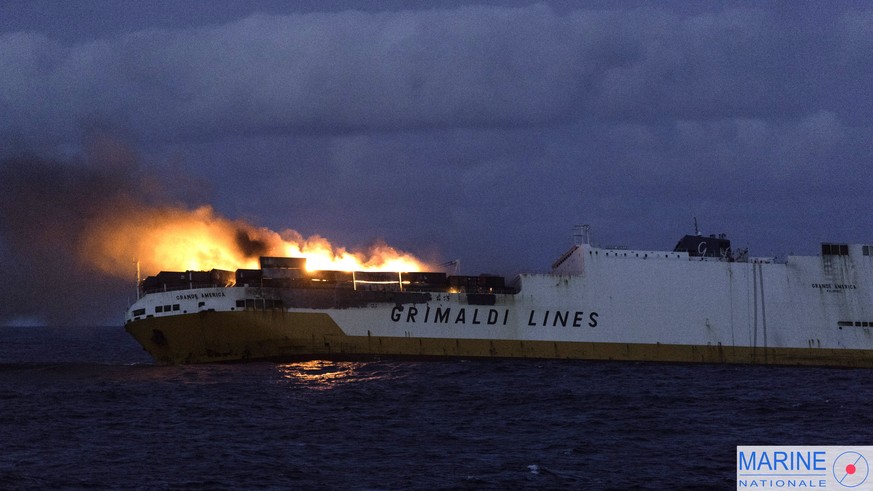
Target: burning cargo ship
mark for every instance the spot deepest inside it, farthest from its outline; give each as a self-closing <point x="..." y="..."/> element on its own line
<point x="700" y="302"/>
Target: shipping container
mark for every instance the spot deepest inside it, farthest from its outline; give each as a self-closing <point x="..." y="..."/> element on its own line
<point x="425" y="278"/>
<point x="283" y="262"/>
<point x="481" y="283"/>
<point x="328" y="276"/>
<point x="248" y="277"/>
<point x="425" y="281"/>
<point x="376" y="276"/>
<point x="282" y="273"/>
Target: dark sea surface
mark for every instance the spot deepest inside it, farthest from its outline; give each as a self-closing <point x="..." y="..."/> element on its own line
<point x="85" y="408"/>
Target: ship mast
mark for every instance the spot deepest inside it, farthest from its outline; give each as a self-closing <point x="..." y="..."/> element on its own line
<point x="138" y="280"/>
<point x="582" y="234"/>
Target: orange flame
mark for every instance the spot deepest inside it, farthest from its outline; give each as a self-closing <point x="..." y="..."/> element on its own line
<point x="177" y="239"/>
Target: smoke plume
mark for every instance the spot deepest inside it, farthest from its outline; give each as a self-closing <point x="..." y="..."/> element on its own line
<point x="73" y="233"/>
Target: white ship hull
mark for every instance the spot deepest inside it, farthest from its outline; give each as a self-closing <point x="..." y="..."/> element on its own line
<point x="596" y="304"/>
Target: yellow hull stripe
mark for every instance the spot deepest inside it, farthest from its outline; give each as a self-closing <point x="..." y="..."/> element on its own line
<point x="230" y="336"/>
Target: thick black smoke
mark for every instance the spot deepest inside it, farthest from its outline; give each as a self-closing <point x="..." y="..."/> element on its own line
<point x="45" y="207"/>
<point x="249" y="246"/>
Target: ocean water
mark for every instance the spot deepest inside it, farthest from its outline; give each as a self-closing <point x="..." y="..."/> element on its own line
<point x="85" y="408"/>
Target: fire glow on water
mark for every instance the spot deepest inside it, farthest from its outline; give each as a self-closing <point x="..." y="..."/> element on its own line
<point x="177" y="239"/>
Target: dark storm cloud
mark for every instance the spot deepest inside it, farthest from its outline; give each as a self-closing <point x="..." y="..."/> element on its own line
<point x="470" y="66"/>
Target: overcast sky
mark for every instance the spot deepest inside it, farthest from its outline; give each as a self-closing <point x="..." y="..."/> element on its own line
<point x="453" y="130"/>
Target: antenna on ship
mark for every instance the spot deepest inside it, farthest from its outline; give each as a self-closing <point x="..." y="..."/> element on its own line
<point x="454" y="263"/>
<point x="696" y="230"/>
